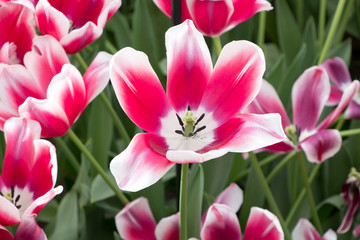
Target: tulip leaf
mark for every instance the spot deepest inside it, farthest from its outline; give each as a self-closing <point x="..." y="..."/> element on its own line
<point x="119" y="26"/>
<point x="343" y="50"/>
<point x="100" y="190"/>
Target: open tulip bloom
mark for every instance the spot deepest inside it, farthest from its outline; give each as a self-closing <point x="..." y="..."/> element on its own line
<point x="197" y="120"/>
<point x="28" y="178"/>
<point x="213" y="18"/>
<point x="309" y="95"/>
<point x="48" y="89"/>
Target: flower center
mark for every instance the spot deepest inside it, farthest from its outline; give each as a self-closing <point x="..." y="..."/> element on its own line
<point x="293" y="133"/>
<point x="189" y="124"/>
<point x="11" y="197"/>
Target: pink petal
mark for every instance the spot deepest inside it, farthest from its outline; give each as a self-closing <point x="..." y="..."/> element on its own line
<point x="142" y="163"/>
<point x="136" y="85"/>
<point x="40" y="202"/>
<point x="66" y="99"/>
<point x="305" y="230"/>
<point x="210" y="17"/>
<point x="45" y="60"/>
<point x="109" y="8"/>
<point x="281" y="147"/>
<point x="97" y="76"/>
<point x="309" y="95"/>
<point x="220" y="223"/>
<point x="165" y="6"/>
<point x="29" y="230"/>
<point x="330" y="235"/>
<point x="9" y="214"/>
<point x="348" y="94"/>
<point x="135" y="221"/>
<point x="337" y="70"/>
<point x="8" y="54"/>
<point x="351" y="196"/>
<point x="356" y="231"/>
<point x="189" y="66"/>
<point x="16" y="26"/>
<point x="268" y="101"/>
<point x="263" y="224"/>
<point x="235" y="81"/>
<point x="5" y="234"/>
<point x="20" y="152"/>
<point x="188" y="156"/>
<point x="353" y="111"/>
<point x="168" y="228"/>
<point x="335" y="96"/>
<point x="322" y="145"/>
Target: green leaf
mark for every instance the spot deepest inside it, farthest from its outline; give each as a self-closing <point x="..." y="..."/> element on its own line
<point x="100" y="190"/>
<point x="343" y="50"/>
<point x="119" y="27"/>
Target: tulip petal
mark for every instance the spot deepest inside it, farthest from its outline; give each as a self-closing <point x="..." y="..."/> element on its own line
<point x="9" y="214"/>
<point x="142" y="163"/>
<point x="353" y="111"/>
<point x="335" y="96"/>
<point x="356" y="231"/>
<point x="305" y="230"/>
<point x="210" y="17"/>
<point x="165" y="7"/>
<point x="338" y="71"/>
<point x="329" y="235"/>
<point x="322" y="145"/>
<point x="135" y="221"/>
<point x="189" y="66"/>
<point x="235" y="81"/>
<point x="136" y="85"/>
<point x="189" y="156"/>
<point x="40" y="202"/>
<point x="5" y="234"/>
<point x="168" y="228"/>
<point x="220" y="223"/>
<point x="309" y="95"/>
<point x="29" y="230"/>
<point x="352" y="198"/>
<point x="263" y="224"/>
<point x="8" y="54"/>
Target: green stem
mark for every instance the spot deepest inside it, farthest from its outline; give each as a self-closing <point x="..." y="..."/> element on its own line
<point x="217" y="45"/>
<point x="183" y="200"/>
<point x="97" y="166"/>
<point x="301" y="196"/>
<point x="269" y="195"/>
<point x="300" y="12"/>
<point x="340" y="122"/>
<point x="332" y="31"/>
<point x="342" y="28"/>
<point x="112" y="49"/>
<point x="357" y="15"/>
<point x="81" y="61"/>
<point x="350" y="132"/>
<point x="261" y="30"/>
<point x="276" y="170"/>
<point x="309" y="193"/>
<point x="322" y="16"/>
<point x="69" y="155"/>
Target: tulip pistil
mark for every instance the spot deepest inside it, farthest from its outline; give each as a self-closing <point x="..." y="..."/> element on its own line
<point x="10" y="196"/>
<point x="188" y="124"/>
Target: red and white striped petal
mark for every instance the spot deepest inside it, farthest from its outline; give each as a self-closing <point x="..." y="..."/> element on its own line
<point x="97" y="75"/>
<point x="165" y="7"/>
<point x="45" y="60"/>
<point x="142" y="163"/>
<point x="5" y="234"/>
<point x="9" y="214"/>
<point x="29" y="230"/>
<point x="66" y="99"/>
<point x="189" y="66"/>
<point x="322" y="145"/>
<point x="338" y="71"/>
<point x="268" y="101"/>
<point x="138" y="89"/>
<point x="353" y="111"/>
<point x="109" y="8"/>
<point x="210" y="17"/>
<point x="20" y="152"/>
<point x="348" y="94"/>
<point x="168" y="228"/>
<point x="40" y="202"/>
<point x="335" y="96"/>
<point x="305" y="230"/>
<point x="309" y="95"/>
<point x="220" y="223"/>
<point x="235" y="81"/>
<point x="135" y="221"/>
<point x="8" y="54"/>
<point x="262" y="224"/>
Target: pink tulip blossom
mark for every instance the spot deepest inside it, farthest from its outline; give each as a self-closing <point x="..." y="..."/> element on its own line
<point x="17" y="30"/>
<point x="197" y="120"/>
<point x="304" y="230"/>
<point x="213" y="18"/>
<point x="340" y="77"/>
<point x="74" y="24"/>
<point x="135" y="221"/>
<point x="309" y="95"/>
<point x="28" y="177"/>
<point x="48" y="89"/>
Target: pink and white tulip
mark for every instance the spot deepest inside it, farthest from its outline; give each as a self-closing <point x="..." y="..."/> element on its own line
<point x="340" y="77"/>
<point x="197" y="120"/>
<point x="48" y="89"/>
<point x="304" y="230"/>
<point x="74" y="24"/>
<point x="309" y="95"/>
<point x="28" y="178"/>
<point x="213" y="18"/>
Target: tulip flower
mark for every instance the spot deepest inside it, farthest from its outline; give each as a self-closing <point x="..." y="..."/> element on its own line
<point x="28" y="177"/>
<point x="74" y="24"/>
<point x="305" y="230"/>
<point x="340" y="77"/>
<point x="197" y="120"/>
<point x="309" y="95"/>
<point x="17" y="29"/>
<point x="48" y="88"/>
<point x="212" y="18"/>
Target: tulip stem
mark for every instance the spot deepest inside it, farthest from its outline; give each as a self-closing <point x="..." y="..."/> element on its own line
<point x="268" y="194"/>
<point x="261" y="30"/>
<point x="309" y="193"/>
<point x="97" y="166"/>
<point x="332" y="31"/>
<point x="278" y="167"/>
<point x="322" y="16"/>
<point x="69" y="155"/>
<point x="342" y="28"/>
<point x="183" y="200"/>
<point x="350" y="132"/>
<point x="217" y="45"/>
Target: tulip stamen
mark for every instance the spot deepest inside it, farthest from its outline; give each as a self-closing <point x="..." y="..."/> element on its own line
<point x="188" y="124"/>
